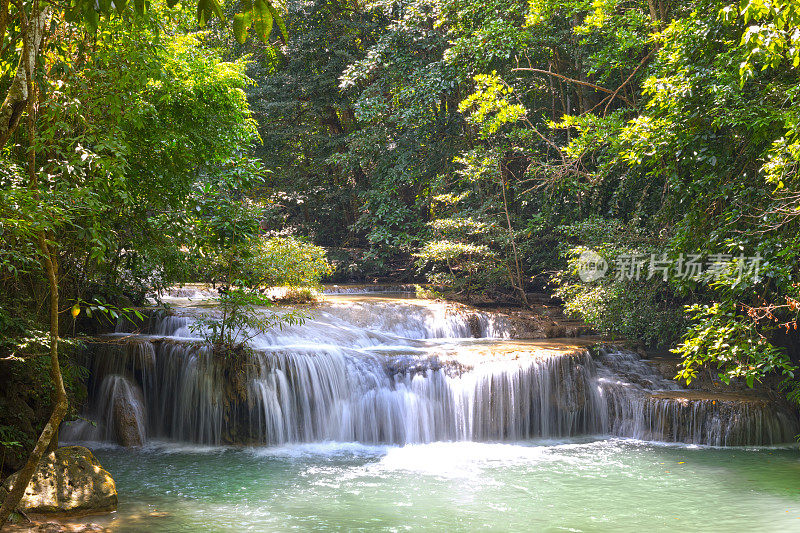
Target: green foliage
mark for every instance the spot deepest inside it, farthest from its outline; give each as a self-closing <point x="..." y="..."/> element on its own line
<point x="246" y="265"/>
<point x="721" y="337"/>
<point x="241" y="314"/>
<point x="459" y="266"/>
<point x="771" y="37"/>
<point x="644" y="309"/>
<point x="490" y="105"/>
<point x="243" y="310"/>
<point x="288" y="262"/>
<point x="166" y="117"/>
<point x="256" y="14"/>
<point x="10" y="437"/>
<point x="469" y="250"/>
<point x="25" y="395"/>
<point x="305" y="119"/>
<point x="98" y="308"/>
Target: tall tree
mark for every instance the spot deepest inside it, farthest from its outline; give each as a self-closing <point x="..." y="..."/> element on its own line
<point x="36" y="23"/>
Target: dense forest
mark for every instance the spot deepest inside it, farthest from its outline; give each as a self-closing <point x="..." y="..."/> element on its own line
<point x="493" y="143"/>
<point x="483" y="150"/>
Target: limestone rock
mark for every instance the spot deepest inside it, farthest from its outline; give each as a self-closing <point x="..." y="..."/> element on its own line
<point x="129" y="417"/>
<point x="68" y="481"/>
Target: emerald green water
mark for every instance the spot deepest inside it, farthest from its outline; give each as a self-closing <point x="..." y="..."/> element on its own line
<point x="604" y="485"/>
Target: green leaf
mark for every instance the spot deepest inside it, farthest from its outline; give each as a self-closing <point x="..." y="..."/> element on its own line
<point x="91" y="18"/>
<point x="217" y="9"/>
<point x="241" y="24"/>
<point x="202" y="12"/>
<point x="279" y="20"/>
<point x="73" y="15"/>
<point x="262" y="19"/>
<point x="105" y="7"/>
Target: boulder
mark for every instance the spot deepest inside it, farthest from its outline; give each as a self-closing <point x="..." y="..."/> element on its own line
<point x="68" y="481"/>
<point x="129" y="416"/>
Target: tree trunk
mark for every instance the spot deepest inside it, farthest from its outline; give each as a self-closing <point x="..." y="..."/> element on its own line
<point x="20" y="90"/>
<point x="50" y="430"/>
<point x="659" y="10"/>
<point x="519" y="285"/>
<point x="49" y="435"/>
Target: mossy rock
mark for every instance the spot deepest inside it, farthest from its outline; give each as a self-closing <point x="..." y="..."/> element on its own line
<point x="68" y="481"/>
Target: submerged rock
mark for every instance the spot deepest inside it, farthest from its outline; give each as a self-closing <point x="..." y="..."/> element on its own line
<point x="68" y="481"/>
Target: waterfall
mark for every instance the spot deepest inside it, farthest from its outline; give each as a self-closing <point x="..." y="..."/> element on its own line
<point x="719" y="420"/>
<point x="396" y="372"/>
<point x="302" y="397"/>
<point x="121" y="408"/>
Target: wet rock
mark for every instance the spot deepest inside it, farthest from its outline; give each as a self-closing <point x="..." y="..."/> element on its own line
<point x="409" y="365"/>
<point x="555" y="331"/>
<point x="128" y="417"/>
<point x="55" y="527"/>
<point x="475" y="326"/>
<point x="68" y="481"/>
<point x="570" y="394"/>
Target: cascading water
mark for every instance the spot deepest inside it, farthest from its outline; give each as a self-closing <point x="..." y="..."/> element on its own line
<point x="390" y="370"/>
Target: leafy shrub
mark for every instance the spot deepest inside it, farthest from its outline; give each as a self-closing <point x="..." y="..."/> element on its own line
<point x="288" y="262"/>
<point x="250" y="267"/>
<point x="243" y="314"/>
<point x="459" y="266"/>
<point x="643" y="309"/>
<point x="722" y="337"/>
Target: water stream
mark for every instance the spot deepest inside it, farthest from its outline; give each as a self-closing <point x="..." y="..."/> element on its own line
<point x="386" y="412"/>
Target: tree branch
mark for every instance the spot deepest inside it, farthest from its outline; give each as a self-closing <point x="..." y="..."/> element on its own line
<point x="571" y="80"/>
<point x="629" y="78"/>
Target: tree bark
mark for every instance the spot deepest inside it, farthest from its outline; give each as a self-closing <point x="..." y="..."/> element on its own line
<point x="59" y="409"/>
<point x="4" y="13"/>
<point x="20" y="90"/>
<point x="49" y="435"/>
<point x="659" y="10"/>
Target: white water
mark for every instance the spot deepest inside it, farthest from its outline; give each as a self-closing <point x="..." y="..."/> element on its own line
<point x="389" y="370"/>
